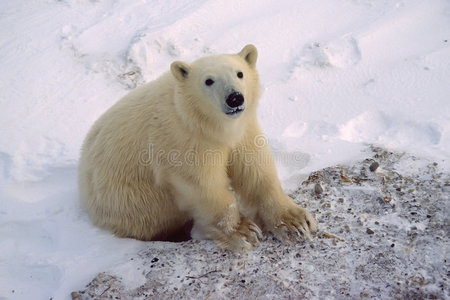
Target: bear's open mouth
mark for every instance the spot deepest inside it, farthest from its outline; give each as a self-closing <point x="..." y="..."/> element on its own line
<point x="235" y="111"/>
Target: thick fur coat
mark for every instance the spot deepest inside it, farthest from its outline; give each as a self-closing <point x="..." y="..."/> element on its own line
<point x="188" y="147"/>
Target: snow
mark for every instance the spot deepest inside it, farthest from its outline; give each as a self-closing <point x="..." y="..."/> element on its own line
<point x="337" y="76"/>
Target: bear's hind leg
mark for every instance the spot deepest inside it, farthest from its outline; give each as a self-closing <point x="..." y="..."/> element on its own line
<point x="138" y="211"/>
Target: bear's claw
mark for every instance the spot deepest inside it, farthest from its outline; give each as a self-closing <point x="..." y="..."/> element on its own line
<point x="246" y="236"/>
<point x="293" y="224"/>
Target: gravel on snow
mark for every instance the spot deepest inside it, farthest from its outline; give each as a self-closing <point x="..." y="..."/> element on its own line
<point x="383" y="233"/>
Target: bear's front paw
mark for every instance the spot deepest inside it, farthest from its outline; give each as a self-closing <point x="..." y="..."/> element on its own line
<point x="292" y="223"/>
<point x="242" y="239"/>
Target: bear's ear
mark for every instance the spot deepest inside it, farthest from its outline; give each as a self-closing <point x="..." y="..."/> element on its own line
<point x="250" y="54"/>
<point x="180" y="70"/>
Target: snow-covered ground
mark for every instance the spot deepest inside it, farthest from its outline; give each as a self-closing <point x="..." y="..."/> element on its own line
<point x="383" y="235"/>
<point x="337" y="76"/>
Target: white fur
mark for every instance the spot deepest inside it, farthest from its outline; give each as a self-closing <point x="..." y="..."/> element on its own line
<point x="167" y="153"/>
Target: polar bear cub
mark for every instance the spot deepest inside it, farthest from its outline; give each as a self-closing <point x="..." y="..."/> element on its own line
<point x="188" y="147"/>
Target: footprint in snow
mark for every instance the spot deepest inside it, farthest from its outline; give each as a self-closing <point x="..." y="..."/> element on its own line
<point x="341" y="53"/>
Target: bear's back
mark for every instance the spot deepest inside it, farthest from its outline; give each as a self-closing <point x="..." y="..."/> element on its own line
<point x="119" y="138"/>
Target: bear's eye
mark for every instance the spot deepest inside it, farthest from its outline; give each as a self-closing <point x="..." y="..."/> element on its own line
<point x="209" y="82"/>
<point x="240" y="75"/>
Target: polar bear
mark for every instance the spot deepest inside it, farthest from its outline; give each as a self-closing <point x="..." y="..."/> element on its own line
<point x="188" y="147"/>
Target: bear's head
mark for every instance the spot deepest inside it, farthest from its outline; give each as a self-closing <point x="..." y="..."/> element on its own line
<point x="220" y="86"/>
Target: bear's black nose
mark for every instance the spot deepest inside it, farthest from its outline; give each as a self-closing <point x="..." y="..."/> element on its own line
<point x="235" y="100"/>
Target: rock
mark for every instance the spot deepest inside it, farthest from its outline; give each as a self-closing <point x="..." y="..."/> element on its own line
<point x="370" y="231"/>
<point x="318" y="189"/>
<point x="374" y="166"/>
